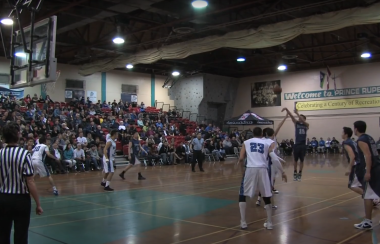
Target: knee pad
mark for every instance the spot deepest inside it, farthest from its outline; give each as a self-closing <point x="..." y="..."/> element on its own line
<point x="241" y="198"/>
<point x="267" y="200"/>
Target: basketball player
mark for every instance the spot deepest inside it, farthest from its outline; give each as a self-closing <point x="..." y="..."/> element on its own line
<point x="368" y="154"/>
<point x="356" y="169"/>
<point x="300" y="147"/>
<point x="134" y="149"/>
<point x="270" y="136"/>
<point x="109" y="160"/>
<point x="40" y="151"/>
<point x="256" y="177"/>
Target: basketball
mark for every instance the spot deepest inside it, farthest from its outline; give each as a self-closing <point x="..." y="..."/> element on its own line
<point x="277" y="90"/>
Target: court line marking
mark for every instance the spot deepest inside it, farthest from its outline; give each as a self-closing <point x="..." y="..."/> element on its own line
<point x="238" y="226"/>
<point x="106" y="206"/>
<point x="53" y="215"/>
<point x="68" y="222"/>
<point x="286" y="220"/>
<point x="353" y="236"/>
<point x="147" y="187"/>
<point x="156" y="200"/>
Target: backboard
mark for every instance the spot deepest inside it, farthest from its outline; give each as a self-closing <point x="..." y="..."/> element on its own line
<point x="43" y="66"/>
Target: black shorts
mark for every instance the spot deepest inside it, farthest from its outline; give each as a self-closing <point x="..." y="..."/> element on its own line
<point x="358" y="171"/>
<point x="132" y="160"/>
<point x="299" y="152"/>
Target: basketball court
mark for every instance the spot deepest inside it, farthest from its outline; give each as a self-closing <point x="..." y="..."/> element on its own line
<point x="176" y="206"/>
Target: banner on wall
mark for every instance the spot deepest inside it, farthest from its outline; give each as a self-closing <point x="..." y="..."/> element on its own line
<point x="92" y="96"/>
<point x="18" y="93"/>
<point x="349" y="103"/>
<point x="370" y="90"/>
<point x="262" y="94"/>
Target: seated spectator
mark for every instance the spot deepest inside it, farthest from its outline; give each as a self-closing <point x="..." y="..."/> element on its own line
<point x="164" y="153"/>
<point x="94" y="157"/>
<point x="288" y="148"/>
<point x="180" y="152"/>
<point x="80" y="158"/>
<point x="328" y="145"/>
<point x="188" y="152"/>
<point x="81" y="140"/>
<point x="335" y="144"/>
<point x="314" y="144"/>
<point x="57" y="165"/>
<point x="68" y="156"/>
<point x="321" y="145"/>
<point x="227" y="145"/>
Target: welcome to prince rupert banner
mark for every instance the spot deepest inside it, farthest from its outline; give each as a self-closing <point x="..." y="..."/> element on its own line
<point x="333" y="93"/>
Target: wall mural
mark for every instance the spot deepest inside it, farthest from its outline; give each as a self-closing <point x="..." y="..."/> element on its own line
<point x="262" y="94"/>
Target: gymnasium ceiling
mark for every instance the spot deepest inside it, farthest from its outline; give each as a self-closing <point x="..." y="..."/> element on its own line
<point x="86" y="28"/>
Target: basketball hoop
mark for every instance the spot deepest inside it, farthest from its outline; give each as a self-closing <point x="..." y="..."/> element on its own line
<point x="50" y="87"/>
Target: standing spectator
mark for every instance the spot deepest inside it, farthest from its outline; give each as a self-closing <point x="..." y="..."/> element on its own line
<point x="16" y="186"/>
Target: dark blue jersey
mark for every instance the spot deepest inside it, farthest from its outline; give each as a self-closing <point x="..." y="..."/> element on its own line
<point x="349" y="142"/>
<point x="301" y="131"/>
<point x="135" y="147"/>
<point x="372" y="148"/>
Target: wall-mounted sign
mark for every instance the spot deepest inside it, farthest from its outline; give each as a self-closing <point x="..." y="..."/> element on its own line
<point x="364" y="102"/>
<point x="333" y="93"/>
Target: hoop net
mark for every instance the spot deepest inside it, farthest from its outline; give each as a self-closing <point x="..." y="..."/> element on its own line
<point x="50" y="87"/>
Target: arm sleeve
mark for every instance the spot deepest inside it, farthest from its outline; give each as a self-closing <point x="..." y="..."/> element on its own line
<point x="28" y="166"/>
<point x="276" y="162"/>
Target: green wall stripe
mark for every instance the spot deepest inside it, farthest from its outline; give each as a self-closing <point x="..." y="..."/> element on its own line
<point x="104" y="85"/>
<point x="153" y="89"/>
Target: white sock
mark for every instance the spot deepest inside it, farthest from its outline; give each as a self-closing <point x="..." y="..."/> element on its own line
<point x="242" y="206"/>
<point x="269" y="210"/>
<point x="54" y="188"/>
<point x="258" y="198"/>
<point x="107" y="183"/>
<point x="104" y="180"/>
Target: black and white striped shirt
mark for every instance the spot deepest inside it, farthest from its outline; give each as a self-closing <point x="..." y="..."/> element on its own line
<point x="15" y="166"/>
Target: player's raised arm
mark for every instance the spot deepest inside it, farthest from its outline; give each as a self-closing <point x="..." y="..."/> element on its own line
<point x="280" y="125"/>
<point x="290" y="114"/>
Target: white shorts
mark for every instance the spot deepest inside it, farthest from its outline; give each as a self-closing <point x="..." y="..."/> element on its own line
<point x="108" y="166"/>
<point x="256" y="180"/>
<point x="369" y="193"/>
<point x="40" y="168"/>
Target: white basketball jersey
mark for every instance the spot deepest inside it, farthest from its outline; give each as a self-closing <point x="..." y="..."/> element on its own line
<point x="39" y="152"/>
<point x="257" y="152"/>
<point x="111" y="150"/>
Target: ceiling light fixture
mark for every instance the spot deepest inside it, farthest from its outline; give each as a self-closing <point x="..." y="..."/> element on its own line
<point x="129" y="66"/>
<point x="241" y="59"/>
<point x="282" y="67"/>
<point x="175" y="73"/>
<point x="366" y="55"/>
<point x="199" y="4"/>
<point x="7" y="21"/>
<point x="118" y="39"/>
<point x="20" y="55"/>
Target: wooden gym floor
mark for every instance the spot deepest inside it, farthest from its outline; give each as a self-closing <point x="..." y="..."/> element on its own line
<point x="175" y="205"/>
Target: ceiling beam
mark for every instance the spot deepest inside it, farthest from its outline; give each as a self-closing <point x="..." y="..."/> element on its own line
<point x="65" y="8"/>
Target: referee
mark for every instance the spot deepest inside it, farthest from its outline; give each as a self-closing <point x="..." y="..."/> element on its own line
<point x="16" y="186"/>
<point x="198" y="144"/>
